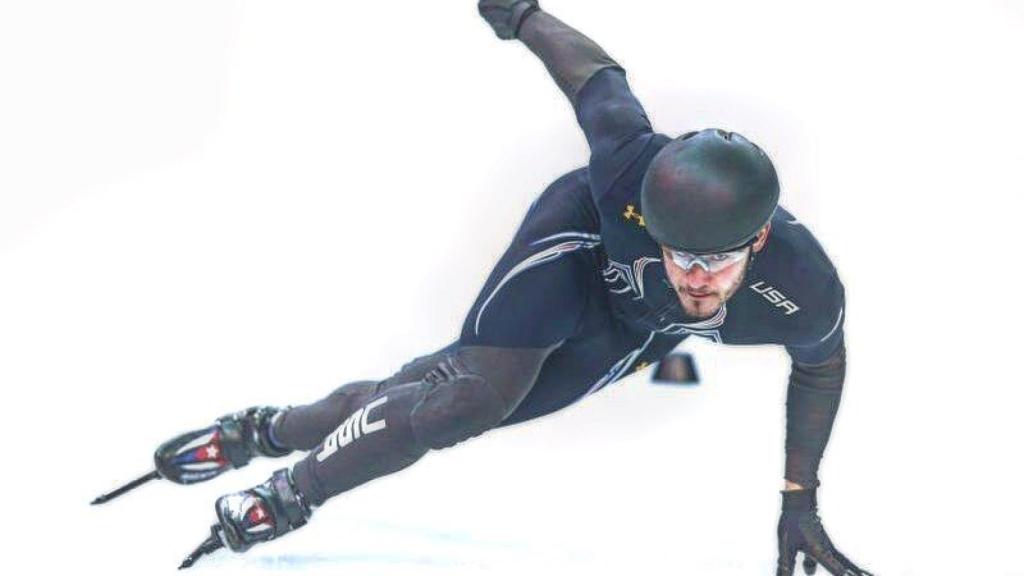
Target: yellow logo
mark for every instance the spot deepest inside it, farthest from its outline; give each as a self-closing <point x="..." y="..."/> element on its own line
<point x="641" y="366"/>
<point x="631" y="213"/>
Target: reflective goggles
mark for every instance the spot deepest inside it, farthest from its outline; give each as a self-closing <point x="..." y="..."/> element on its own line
<point x="709" y="262"/>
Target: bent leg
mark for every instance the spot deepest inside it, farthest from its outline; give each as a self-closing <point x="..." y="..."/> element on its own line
<point x="531" y="303"/>
<point x="303" y="427"/>
<point x="467" y="393"/>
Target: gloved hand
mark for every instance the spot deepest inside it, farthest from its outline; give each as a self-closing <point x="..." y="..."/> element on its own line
<point x="505" y="16"/>
<point x="800" y="530"/>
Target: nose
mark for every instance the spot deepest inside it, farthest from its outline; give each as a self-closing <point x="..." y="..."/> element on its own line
<point x="696" y="277"/>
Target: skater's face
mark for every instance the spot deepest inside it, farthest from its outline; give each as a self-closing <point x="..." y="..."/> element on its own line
<point x="702" y="292"/>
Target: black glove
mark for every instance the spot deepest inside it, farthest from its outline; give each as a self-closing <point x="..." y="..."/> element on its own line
<point x="800" y="530"/>
<point x="505" y="16"/>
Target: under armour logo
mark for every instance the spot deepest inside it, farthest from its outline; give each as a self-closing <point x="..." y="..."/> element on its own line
<point x="631" y="213"/>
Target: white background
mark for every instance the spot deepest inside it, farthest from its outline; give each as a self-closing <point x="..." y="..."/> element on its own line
<point x="208" y="205"/>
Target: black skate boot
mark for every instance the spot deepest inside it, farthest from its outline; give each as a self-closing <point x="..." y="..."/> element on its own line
<point x="231" y="442"/>
<point x="199" y="455"/>
<point x="256" y="515"/>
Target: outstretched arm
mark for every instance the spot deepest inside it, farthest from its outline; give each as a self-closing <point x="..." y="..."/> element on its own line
<point x="815" y="384"/>
<point x="814" y="392"/>
<point x="610" y="115"/>
<point x="815" y="389"/>
<point x="812" y="401"/>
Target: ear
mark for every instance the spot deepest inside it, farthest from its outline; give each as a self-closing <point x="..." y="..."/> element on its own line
<point x="762" y="237"/>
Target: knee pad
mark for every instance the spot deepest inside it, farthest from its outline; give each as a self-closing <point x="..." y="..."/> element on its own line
<point x="457" y="404"/>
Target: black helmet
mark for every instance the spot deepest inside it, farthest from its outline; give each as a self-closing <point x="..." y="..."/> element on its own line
<point x="708" y="191"/>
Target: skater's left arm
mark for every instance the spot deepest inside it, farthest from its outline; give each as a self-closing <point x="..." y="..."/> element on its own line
<point x="812" y="401"/>
<point x="814" y="392"/>
<point x="817" y="373"/>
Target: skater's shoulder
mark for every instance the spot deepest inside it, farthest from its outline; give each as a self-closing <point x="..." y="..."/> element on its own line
<point x="793" y="250"/>
<point x="795" y="280"/>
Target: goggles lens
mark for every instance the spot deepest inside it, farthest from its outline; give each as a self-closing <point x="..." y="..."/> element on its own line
<point x="709" y="262"/>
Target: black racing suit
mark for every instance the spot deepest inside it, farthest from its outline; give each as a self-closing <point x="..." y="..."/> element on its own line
<point x="579" y="300"/>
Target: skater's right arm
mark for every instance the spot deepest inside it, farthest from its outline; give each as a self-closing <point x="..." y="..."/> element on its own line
<point x="611" y="117"/>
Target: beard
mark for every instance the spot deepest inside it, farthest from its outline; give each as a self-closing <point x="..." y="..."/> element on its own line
<point x="705" y="305"/>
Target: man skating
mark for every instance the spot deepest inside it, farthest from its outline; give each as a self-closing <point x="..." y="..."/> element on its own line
<point x="614" y="265"/>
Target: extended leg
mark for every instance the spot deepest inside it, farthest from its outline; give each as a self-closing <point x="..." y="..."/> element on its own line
<point x="465" y="394"/>
<point x="533" y="301"/>
<point x="304" y="427"/>
<point x="471" y="390"/>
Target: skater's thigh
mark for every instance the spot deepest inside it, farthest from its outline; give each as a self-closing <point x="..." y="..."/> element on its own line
<point x="537" y="292"/>
<point x="536" y="295"/>
<point x="417" y="368"/>
<point x="534" y="298"/>
<point x="603" y="353"/>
